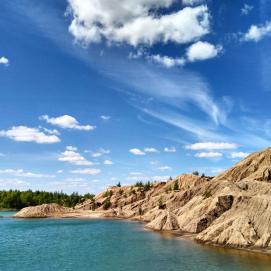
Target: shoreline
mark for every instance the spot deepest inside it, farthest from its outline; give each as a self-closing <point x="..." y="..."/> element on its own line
<point x="174" y="233"/>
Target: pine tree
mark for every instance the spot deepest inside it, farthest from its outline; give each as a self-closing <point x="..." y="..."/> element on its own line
<point x="176" y="186"/>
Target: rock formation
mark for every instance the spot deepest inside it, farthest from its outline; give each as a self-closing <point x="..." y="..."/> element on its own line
<point x="232" y="209"/>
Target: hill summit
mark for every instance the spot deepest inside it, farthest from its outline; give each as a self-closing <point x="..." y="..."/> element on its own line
<point x="256" y="166"/>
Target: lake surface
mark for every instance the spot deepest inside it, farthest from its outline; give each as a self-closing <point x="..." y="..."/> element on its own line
<point x="109" y="245"/>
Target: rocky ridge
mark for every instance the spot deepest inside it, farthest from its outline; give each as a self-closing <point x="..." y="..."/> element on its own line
<point x="232" y="209"/>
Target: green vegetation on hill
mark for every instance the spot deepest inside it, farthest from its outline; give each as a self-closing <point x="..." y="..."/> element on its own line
<point x="15" y="199"/>
<point x="146" y="185"/>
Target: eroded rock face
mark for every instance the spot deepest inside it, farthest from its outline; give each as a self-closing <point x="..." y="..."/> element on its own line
<point x="223" y="204"/>
<point x="233" y="209"/>
<point x="165" y="221"/>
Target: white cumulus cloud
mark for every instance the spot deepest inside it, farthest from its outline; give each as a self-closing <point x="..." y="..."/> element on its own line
<point x="169" y="149"/>
<point x="166" y="61"/>
<point x="108" y="162"/>
<point x="72" y="156"/>
<point x="136" y="151"/>
<point x="136" y="22"/>
<point x="134" y="173"/>
<point x="258" y="32"/>
<point x="104" y="117"/>
<point x="4" y="61"/>
<point x="67" y="122"/>
<point x="164" y="168"/>
<point x="150" y="149"/>
<point x="23" y="173"/>
<point x="211" y="146"/>
<point x="208" y="155"/>
<point x="86" y="171"/>
<point x="100" y="152"/>
<point x="28" y="134"/>
<point x="202" y="51"/>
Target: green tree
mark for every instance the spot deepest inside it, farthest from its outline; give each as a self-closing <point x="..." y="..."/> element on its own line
<point x="161" y="204"/>
<point x="147" y="186"/>
<point x="176" y="185"/>
<point x="14" y="199"/>
<point x="139" y="184"/>
<point x="107" y="204"/>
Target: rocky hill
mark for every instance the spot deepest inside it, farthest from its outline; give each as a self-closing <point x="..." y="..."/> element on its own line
<point x="232" y="209"/>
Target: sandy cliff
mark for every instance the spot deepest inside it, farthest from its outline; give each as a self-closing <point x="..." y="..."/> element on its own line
<point x="232" y="209"/>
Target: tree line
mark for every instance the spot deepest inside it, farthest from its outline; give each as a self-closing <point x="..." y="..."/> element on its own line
<point x="15" y="199"/>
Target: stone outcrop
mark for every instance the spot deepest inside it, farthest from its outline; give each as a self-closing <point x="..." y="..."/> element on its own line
<point x="232" y="209"/>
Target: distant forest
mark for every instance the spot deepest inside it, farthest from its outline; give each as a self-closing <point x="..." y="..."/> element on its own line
<point x="15" y="199"/>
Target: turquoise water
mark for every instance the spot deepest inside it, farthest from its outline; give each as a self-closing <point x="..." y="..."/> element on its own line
<point x="103" y="245"/>
<point x="6" y="213"/>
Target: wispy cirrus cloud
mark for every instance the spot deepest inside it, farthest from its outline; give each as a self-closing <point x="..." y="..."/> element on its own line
<point x="208" y="155"/>
<point x="86" y="171"/>
<point x="23" y="173"/>
<point x="211" y="146"/>
<point x="136" y="151"/>
<point x="164" y="168"/>
<point x="146" y="150"/>
<point x="170" y="149"/>
<point x="167" y="61"/>
<point x="184" y="89"/>
<point x="105" y="117"/>
<point x="246" y="9"/>
<point x="150" y="150"/>
<point x="98" y="153"/>
<point x="13" y="183"/>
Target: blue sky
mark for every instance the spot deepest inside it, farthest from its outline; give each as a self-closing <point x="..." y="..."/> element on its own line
<point x="96" y="92"/>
